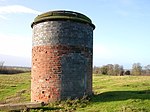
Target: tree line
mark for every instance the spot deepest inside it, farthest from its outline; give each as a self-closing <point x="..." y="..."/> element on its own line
<point x="118" y="70"/>
<point x="12" y="69"/>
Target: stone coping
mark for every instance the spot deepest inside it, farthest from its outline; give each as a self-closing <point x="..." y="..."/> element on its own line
<point x="20" y="106"/>
<point x="62" y="15"/>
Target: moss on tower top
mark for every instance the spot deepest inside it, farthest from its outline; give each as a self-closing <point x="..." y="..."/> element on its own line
<point x="62" y="15"/>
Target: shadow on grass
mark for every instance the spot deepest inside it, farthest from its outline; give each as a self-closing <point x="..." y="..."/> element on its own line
<point x="121" y="95"/>
<point x="48" y="108"/>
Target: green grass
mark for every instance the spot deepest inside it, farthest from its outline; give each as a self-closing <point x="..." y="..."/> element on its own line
<point x="120" y="94"/>
<point x="111" y="94"/>
<point x="14" y="88"/>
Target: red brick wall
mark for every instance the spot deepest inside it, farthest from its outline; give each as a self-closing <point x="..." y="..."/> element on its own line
<point x="45" y="74"/>
<point x="47" y="71"/>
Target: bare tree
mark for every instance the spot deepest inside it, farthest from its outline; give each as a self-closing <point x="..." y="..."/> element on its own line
<point x="1" y="65"/>
<point x="96" y="70"/>
<point x="118" y="69"/>
<point x="136" y="69"/>
<point x="147" y="70"/>
<point x="110" y="69"/>
<point x="121" y="70"/>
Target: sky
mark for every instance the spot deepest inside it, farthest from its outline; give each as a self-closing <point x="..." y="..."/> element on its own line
<point x="122" y="34"/>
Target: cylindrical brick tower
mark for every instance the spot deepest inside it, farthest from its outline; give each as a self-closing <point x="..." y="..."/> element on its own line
<point x="62" y="54"/>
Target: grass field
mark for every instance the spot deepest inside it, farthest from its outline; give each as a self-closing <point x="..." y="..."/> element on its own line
<point x="111" y="94"/>
<point x="120" y="94"/>
<point x="14" y="88"/>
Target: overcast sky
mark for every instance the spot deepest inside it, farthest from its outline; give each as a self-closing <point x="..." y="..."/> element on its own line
<point x="122" y="33"/>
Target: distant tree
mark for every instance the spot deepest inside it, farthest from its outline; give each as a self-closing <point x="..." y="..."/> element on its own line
<point x="110" y="69"/>
<point x="116" y="69"/>
<point x="136" y="69"/>
<point x="146" y="70"/>
<point x="104" y="70"/>
<point x="121" y="70"/>
<point x="127" y="72"/>
<point x="96" y="70"/>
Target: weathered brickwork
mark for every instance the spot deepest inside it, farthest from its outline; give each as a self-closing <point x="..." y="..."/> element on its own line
<point x="62" y="53"/>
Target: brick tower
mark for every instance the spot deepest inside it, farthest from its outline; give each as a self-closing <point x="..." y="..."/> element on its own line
<point x="62" y="54"/>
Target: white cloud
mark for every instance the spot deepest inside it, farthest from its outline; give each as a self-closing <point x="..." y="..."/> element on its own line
<point x="102" y="54"/>
<point x="101" y="51"/>
<point x="109" y="53"/>
<point x="17" y="9"/>
<point x="15" y="45"/>
<point x="3" y="17"/>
